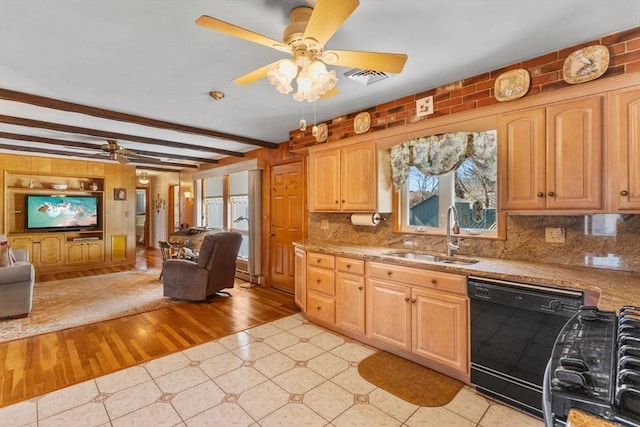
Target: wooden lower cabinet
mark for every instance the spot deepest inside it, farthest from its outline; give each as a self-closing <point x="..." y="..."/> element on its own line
<point x="44" y="249"/>
<point x="82" y="252"/>
<point x="350" y="295"/>
<point x="300" y="283"/>
<point x="321" y="288"/>
<point x="420" y="311"/>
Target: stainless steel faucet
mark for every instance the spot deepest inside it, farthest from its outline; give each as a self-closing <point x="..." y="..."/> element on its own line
<point x="452" y="247"/>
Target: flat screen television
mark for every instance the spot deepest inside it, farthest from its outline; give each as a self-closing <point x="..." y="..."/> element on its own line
<point x="61" y="213"/>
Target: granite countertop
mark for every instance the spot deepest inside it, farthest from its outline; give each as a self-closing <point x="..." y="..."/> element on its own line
<point x="612" y="288"/>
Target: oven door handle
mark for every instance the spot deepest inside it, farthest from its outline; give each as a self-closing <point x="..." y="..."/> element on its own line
<point x="546" y="396"/>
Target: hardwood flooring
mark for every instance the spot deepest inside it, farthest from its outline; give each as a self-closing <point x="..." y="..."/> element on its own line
<point x="41" y="364"/>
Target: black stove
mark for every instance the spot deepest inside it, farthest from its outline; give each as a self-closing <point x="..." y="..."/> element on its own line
<point x="595" y="367"/>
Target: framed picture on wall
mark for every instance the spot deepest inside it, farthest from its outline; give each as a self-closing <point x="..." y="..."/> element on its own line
<point x="119" y="194"/>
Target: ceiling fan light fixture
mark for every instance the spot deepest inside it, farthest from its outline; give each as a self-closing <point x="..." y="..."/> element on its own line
<point x="314" y="81"/>
<point x="281" y="74"/>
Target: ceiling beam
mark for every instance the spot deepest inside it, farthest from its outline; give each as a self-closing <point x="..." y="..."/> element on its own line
<point x="41" y="101"/>
<point x="19" y="121"/>
<point x="91" y="156"/>
<point x="75" y="144"/>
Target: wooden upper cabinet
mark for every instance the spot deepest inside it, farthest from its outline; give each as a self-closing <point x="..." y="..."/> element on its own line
<point x="358" y="177"/>
<point x="344" y="179"/>
<point x="624" y="116"/>
<point x="574" y="154"/>
<point x="521" y="158"/>
<point x="552" y="158"/>
<point x="324" y="180"/>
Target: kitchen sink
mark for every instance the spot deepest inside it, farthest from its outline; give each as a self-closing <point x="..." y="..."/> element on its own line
<point x="420" y="256"/>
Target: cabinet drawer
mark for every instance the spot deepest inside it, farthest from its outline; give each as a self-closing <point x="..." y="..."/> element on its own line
<point x="321" y="280"/>
<point x="350" y="265"/>
<point x="321" y="308"/>
<point x="418" y="277"/>
<point x="447" y="282"/>
<point x="321" y="260"/>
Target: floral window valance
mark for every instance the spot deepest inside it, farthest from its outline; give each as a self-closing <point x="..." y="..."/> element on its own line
<point x="439" y="154"/>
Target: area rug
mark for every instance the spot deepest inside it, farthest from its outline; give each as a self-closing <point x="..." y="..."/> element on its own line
<point x="409" y="381"/>
<point x="62" y="304"/>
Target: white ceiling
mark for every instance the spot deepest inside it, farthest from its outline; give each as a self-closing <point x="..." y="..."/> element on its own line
<point x="148" y="58"/>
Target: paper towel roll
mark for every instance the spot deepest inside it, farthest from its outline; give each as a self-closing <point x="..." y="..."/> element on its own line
<point x="365" y="219"/>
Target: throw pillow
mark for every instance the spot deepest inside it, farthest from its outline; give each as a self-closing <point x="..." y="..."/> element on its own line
<point x="6" y="256"/>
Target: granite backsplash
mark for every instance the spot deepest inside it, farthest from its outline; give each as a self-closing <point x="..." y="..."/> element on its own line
<point x="603" y="241"/>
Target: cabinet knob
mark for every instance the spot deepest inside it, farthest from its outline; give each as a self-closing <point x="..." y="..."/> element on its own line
<point x="317" y="280"/>
<point x="318" y="308"/>
<point x="343" y="201"/>
<point x="406" y="299"/>
<point x="413" y="301"/>
<point x="318" y="260"/>
<point x="540" y="194"/>
<point x="434" y="281"/>
<point x="348" y="266"/>
<point x="551" y="194"/>
<point x="359" y="288"/>
<point x="624" y="193"/>
<point x="389" y="273"/>
<point x="336" y="202"/>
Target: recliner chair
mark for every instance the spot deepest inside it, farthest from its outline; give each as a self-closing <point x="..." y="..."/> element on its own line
<point x="214" y="271"/>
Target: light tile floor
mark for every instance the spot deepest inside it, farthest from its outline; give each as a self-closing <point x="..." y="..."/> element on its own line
<point x="284" y="373"/>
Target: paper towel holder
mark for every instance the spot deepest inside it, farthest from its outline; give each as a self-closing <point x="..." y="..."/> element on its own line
<point x="375" y="217"/>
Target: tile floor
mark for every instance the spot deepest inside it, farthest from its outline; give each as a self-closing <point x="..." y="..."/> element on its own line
<point x="284" y="373"/>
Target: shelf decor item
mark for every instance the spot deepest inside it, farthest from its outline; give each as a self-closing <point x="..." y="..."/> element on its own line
<point x="361" y="123"/>
<point x="59" y="186"/>
<point x="585" y="64"/>
<point x="512" y="85"/>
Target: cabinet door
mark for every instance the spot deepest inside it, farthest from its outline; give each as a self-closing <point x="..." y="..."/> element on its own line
<point x="625" y="121"/>
<point x="439" y="328"/>
<point x="358" y="177"/>
<point x="51" y="249"/>
<point x="521" y="159"/>
<point x="301" y="279"/>
<point x="94" y="251"/>
<point x="75" y="253"/>
<point x="574" y="154"/>
<point x="324" y="180"/>
<point x="389" y="313"/>
<point x="350" y="300"/>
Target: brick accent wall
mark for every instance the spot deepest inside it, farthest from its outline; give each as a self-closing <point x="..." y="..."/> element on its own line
<point x="477" y="91"/>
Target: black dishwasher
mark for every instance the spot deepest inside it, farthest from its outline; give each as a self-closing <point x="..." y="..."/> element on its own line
<point x="513" y="329"/>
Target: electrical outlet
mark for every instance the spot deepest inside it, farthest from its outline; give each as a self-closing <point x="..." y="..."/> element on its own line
<point x="325" y="224"/>
<point x="554" y="235"/>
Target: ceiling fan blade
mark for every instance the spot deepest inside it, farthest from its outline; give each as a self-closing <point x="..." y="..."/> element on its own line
<point x="253" y="76"/>
<point x="243" y="33"/>
<point x="123" y="160"/>
<point x="376" y="61"/>
<point x="329" y="94"/>
<point x="327" y="17"/>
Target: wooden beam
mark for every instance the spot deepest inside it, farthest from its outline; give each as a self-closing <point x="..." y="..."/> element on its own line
<point x="75" y="144"/>
<point x="19" y="121"/>
<point x="41" y="101"/>
<point x="92" y="156"/>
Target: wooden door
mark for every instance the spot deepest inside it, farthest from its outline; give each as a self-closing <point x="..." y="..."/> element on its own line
<point x="324" y="180"/>
<point x="358" y="169"/>
<point x="574" y="154"/>
<point x="625" y="118"/>
<point x="521" y="159"/>
<point x="439" y="328"/>
<point x="287" y="223"/>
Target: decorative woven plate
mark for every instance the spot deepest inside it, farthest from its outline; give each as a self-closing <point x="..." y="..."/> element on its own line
<point x="586" y="64"/>
<point x="361" y="122"/>
<point x="511" y="85"/>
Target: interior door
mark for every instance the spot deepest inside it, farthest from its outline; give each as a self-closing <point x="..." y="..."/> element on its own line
<point x="287" y="222"/>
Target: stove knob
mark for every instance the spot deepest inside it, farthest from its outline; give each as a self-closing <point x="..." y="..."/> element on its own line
<point x="574" y="364"/>
<point x="568" y="379"/>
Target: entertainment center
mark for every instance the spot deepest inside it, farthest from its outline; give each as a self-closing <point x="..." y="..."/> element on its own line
<point x="59" y="219"/>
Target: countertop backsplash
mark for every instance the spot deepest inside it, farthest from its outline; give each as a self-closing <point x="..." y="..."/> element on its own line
<point x="608" y="241"/>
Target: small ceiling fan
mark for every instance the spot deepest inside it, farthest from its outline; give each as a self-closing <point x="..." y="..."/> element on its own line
<point x="304" y="39"/>
<point x="119" y="153"/>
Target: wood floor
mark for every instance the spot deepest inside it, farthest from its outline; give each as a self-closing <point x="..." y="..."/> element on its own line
<point x="40" y="364"/>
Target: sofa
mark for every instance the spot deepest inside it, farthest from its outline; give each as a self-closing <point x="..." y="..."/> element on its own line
<point x="16" y="286"/>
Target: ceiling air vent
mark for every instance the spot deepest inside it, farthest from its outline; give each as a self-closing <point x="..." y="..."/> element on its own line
<point x="366" y="77"/>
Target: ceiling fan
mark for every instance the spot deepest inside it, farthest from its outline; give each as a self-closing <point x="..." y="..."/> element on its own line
<point x="304" y="39"/>
<point x="119" y="153"/>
